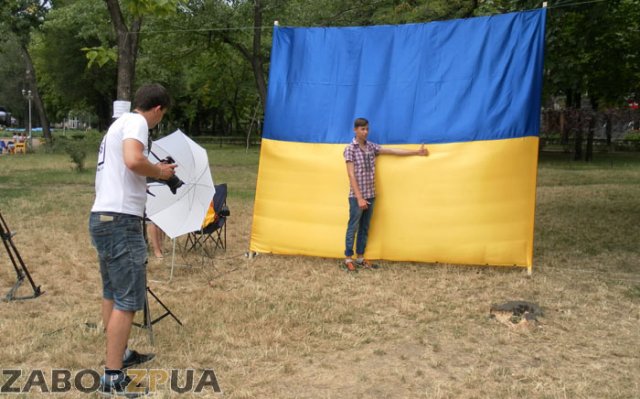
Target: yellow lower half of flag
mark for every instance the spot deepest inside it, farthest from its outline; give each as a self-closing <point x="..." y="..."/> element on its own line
<point x="465" y="203"/>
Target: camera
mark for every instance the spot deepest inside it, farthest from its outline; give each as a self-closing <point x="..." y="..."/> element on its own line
<point x="174" y="182"/>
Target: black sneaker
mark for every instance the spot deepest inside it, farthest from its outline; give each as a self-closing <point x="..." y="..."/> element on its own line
<point x="366" y="265"/>
<point x="136" y="358"/>
<point x="121" y="388"/>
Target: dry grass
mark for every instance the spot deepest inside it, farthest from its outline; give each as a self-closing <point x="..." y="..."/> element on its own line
<point x="296" y="327"/>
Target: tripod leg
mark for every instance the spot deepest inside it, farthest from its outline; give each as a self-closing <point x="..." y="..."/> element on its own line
<point x="21" y="269"/>
<point x="173" y="258"/>
<point x="168" y="312"/>
<point x="148" y="320"/>
<point x="147" y="317"/>
<point x="11" y="295"/>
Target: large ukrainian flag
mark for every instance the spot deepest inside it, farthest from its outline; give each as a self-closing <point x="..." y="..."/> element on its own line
<point x="469" y="89"/>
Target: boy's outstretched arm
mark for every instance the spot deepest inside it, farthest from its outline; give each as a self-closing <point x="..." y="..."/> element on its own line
<point x="397" y="151"/>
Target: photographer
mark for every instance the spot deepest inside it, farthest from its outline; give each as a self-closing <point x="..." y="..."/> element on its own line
<point x="115" y="225"/>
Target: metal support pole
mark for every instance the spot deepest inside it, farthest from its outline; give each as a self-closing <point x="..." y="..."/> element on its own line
<point x="27" y="94"/>
<point x="30" y="136"/>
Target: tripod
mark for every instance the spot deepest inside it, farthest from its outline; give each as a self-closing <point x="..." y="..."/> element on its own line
<point x="18" y="265"/>
<point x="147" y="321"/>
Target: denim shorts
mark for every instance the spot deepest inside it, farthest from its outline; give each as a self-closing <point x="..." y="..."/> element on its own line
<point x="122" y="253"/>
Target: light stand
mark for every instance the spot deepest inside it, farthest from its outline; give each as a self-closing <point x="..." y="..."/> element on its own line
<point x="147" y="320"/>
<point x="18" y="265"/>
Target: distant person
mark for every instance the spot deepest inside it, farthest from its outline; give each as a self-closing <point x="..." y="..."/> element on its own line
<point x="360" y="157"/>
<point x="3" y="147"/>
<point x="115" y="225"/>
<point x="156" y="237"/>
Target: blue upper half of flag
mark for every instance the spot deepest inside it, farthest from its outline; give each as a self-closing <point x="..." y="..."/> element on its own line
<point x="438" y="82"/>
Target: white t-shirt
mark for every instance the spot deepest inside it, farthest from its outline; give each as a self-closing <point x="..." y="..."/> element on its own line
<point x="118" y="189"/>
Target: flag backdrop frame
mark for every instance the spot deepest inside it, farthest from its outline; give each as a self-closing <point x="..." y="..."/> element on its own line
<point x="469" y="89"/>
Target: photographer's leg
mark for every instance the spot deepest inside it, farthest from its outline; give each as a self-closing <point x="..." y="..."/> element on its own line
<point x="107" y="308"/>
<point x="117" y="336"/>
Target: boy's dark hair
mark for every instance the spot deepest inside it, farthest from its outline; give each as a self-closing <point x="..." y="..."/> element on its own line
<point x="151" y="95"/>
<point x="360" y="122"/>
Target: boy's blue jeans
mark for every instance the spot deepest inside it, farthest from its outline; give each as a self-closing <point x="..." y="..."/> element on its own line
<point x="359" y="221"/>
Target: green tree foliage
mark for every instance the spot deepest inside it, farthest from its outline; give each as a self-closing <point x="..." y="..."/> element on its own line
<point x="18" y="20"/>
<point x="71" y="85"/>
<point x="593" y="49"/>
<point x="12" y="76"/>
<point x="213" y="55"/>
<point x="127" y="28"/>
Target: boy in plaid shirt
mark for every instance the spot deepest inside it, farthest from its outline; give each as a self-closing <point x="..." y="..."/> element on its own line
<point x="360" y="157"/>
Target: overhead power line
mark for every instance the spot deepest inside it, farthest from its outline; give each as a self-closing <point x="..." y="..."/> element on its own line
<point x="250" y="28"/>
<point x="577" y="4"/>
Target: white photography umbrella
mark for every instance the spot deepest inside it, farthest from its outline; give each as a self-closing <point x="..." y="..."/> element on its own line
<point x="182" y="212"/>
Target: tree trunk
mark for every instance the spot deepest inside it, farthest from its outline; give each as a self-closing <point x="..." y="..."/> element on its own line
<point x="256" y="61"/>
<point x="574" y="99"/>
<point x="253" y="118"/>
<point x="255" y="55"/>
<point x="37" y="100"/>
<point x="128" y="40"/>
<point x="591" y="123"/>
<point x="104" y="115"/>
<point x="578" y="139"/>
<point x="471" y="10"/>
<point x="564" y="131"/>
<point x="608" y="128"/>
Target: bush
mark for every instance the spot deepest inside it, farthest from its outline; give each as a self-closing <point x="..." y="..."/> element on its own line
<point x="77" y="147"/>
<point x="77" y="150"/>
<point x="633" y="135"/>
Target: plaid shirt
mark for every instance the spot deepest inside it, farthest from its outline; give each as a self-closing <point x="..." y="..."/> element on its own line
<point x="364" y="162"/>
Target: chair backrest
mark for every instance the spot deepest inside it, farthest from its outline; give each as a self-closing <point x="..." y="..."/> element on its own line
<point x="210" y="217"/>
<point x="21" y="147"/>
<point x="214" y="218"/>
<point x="220" y="197"/>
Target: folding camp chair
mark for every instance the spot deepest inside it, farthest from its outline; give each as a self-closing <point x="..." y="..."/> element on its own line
<point x="212" y="236"/>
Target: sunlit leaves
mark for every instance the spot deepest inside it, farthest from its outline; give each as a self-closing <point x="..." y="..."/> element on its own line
<point x="100" y="55"/>
<point x="139" y="8"/>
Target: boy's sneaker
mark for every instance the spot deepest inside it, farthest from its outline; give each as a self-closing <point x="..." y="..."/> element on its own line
<point x="350" y="267"/>
<point x="121" y="387"/>
<point x="365" y="264"/>
<point x="136" y="358"/>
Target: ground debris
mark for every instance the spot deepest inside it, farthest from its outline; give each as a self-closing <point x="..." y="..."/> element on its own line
<point x="517" y="314"/>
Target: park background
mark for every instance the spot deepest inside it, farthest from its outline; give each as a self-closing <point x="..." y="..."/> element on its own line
<point x="301" y="327"/>
<point x="78" y="56"/>
<point x="277" y="326"/>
